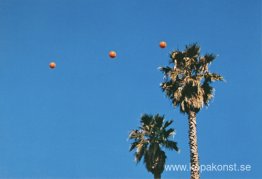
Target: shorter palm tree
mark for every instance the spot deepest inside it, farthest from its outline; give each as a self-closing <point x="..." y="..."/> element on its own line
<point x="149" y="140"/>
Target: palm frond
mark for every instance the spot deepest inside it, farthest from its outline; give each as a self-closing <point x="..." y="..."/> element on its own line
<point x="133" y="146"/>
<point x="169" y="132"/>
<point x="158" y="120"/>
<point x="135" y="134"/>
<point x="208" y="58"/>
<point x="167" y="123"/>
<point x="216" y="77"/>
<point x="192" y="50"/>
<point x="140" y="151"/>
<point x="146" y="119"/>
<point x="166" y="70"/>
<point x="171" y="145"/>
<point x="177" y="55"/>
<point x="208" y="92"/>
<point x="210" y="77"/>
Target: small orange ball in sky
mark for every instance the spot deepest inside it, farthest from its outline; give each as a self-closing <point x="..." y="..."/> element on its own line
<point x="162" y="44"/>
<point x="52" y="65"/>
<point x="112" y="54"/>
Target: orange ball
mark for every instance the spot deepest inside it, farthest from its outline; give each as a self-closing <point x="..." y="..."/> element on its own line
<point x="162" y="44"/>
<point x="52" y="65"/>
<point x="112" y="54"/>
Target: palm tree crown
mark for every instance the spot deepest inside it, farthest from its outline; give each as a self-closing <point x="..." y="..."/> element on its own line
<point x="187" y="82"/>
<point x="149" y="140"/>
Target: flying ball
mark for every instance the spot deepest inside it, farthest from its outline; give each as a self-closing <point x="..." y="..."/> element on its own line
<point x="162" y="44"/>
<point x="112" y="54"/>
<point x="52" y="65"/>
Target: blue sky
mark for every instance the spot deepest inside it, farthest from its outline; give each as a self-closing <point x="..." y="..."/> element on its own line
<point x="73" y="122"/>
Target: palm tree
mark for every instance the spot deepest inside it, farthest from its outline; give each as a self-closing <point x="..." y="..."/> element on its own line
<point x="188" y="84"/>
<point x="149" y="140"/>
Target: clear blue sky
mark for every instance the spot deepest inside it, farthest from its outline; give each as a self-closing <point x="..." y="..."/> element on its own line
<point x="73" y="121"/>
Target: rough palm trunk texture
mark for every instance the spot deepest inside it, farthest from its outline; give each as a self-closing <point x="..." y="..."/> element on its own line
<point x="194" y="160"/>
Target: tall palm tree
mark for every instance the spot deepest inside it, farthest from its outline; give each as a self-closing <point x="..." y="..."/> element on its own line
<point x="149" y="140"/>
<point x="188" y="84"/>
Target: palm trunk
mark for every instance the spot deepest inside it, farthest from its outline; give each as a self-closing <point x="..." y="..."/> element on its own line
<point x="157" y="175"/>
<point x="194" y="160"/>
